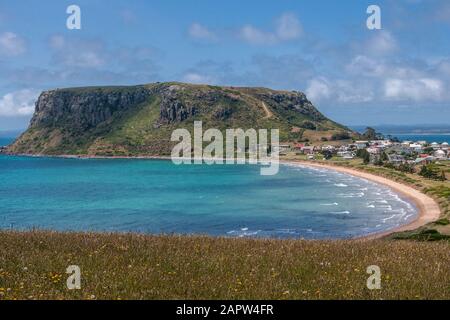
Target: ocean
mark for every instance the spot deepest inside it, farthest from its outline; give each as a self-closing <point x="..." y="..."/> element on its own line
<point x="430" y="138"/>
<point x="5" y="141"/>
<point x="158" y="197"/>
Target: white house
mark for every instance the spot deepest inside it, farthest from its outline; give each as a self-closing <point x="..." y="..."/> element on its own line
<point x="417" y="147"/>
<point x="374" y="150"/>
<point x="440" y="155"/>
<point x="361" y="144"/>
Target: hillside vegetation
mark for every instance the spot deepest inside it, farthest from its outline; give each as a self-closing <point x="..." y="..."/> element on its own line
<point x="139" y="120"/>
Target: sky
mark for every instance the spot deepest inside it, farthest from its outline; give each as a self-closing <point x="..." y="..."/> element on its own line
<point x="399" y="74"/>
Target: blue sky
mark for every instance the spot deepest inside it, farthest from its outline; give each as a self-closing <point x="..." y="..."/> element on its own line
<point x="397" y="75"/>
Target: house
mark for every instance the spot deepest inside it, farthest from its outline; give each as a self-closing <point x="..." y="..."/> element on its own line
<point x="435" y="145"/>
<point x="308" y="149"/>
<point x="328" y="148"/>
<point x="396" y="158"/>
<point x="284" y="147"/>
<point x="400" y="149"/>
<point x="444" y="146"/>
<point x="346" y="154"/>
<point x="374" y="150"/>
<point x="440" y="155"/>
<point x="417" y="147"/>
<point x="361" y="144"/>
<point x="424" y="160"/>
<point x="406" y="143"/>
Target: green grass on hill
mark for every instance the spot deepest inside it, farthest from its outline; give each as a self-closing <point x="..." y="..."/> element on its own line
<point x="125" y="266"/>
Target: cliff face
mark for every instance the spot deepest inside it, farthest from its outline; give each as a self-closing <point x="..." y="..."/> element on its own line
<point x="83" y="109"/>
<point x="138" y="120"/>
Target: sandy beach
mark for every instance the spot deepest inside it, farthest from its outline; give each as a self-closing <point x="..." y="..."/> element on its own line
<point x="429" y="210"/>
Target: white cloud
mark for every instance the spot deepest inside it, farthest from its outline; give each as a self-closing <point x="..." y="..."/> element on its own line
<point x="57" y="42"/>
<point x="339" y="90"/>
<point x="424" y="89"/>
<point x="193" y="77"/>
<point x="200" y="32"/>
<point x="77" y="53"/>
<point x="18" y="103"/>
<point x="363" y="65"/>
<point x="382" y="43"/>
<point x="253" y="35"/>
<point x="318" y="89"/>
<point x="11" y="44"/>
<point x="287" y="27"/>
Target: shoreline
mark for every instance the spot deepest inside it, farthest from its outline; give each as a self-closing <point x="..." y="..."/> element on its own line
<point x="428" y="209"/>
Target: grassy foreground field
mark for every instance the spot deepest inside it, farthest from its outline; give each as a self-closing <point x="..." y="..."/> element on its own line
<point x="125" y="266"/>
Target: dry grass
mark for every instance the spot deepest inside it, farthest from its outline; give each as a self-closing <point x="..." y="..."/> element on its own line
<point x="125" y="266"/>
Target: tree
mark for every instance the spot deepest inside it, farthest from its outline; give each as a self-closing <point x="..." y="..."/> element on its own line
<point x="327" y="154"/>
<point x="428" y="171"/>
<point x="363" y="154"/>
<point x="370" y="134"/>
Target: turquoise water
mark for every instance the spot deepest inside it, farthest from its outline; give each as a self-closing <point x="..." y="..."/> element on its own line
<point x="5" y="141"/>
<point x="156" y="196"/>
<point x="430" y="138"/>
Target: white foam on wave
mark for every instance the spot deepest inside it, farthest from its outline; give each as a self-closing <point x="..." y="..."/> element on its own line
<point x="351" y="195"/>
<point x="341" y="185"/>
<point x="330" y="204"/>
<point x="389" y="218"/>
<point x="340" y="212"/>
<point x="243" y="233"/>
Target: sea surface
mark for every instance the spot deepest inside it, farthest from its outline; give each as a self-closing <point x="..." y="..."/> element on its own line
<point x="5" y="141"/>
<point x="430" y="138"/>
<point x="156" y="196"/>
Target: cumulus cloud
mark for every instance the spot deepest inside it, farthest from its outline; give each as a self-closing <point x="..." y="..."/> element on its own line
<point x="11" y="44"/>
<point x="200" y="32"/>
<point x="192" y="77"/>
<point x="382" y="43"/>
<point x="287" y="27"/>
<point x="253" y="35"/>
<point x="339" y="90"/>
<point x="18" y="103"/>
<point x="318" y="89"/>
<point x="77" y="53"/>
<point x="424" y="89"/>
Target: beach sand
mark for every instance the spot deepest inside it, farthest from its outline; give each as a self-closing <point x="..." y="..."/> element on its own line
<point x="428" y="208"/>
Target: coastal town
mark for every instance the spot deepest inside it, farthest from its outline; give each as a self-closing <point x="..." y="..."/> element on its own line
<point x="407" y="156"/>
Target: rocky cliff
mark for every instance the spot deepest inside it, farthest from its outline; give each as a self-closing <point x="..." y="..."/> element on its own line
<point x="138" y="120"/>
